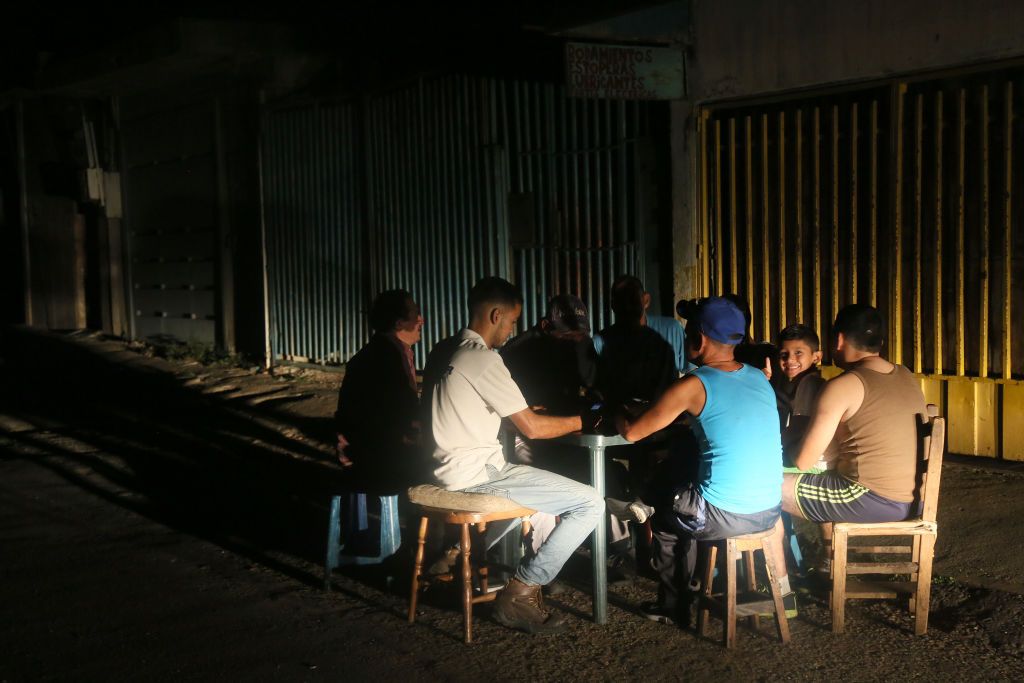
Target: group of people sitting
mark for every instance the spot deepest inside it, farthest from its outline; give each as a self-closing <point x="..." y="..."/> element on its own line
<point x="728" y="435"/>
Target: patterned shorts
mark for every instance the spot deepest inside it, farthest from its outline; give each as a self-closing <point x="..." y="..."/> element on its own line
<point x="831" y="497"/>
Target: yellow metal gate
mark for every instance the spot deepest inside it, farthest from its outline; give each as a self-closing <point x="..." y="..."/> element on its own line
<point x="897" y="194"/>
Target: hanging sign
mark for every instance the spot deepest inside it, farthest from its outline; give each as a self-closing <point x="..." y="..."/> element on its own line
<point x="623" y="72"/>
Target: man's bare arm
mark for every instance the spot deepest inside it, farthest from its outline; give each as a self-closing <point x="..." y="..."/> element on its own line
<point x="534" y="426"/>
<point x="684" y="395"/>
<point x="834" y="403"/>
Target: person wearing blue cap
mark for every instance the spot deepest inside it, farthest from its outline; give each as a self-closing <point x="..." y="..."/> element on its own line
<point x="731" y="409"/>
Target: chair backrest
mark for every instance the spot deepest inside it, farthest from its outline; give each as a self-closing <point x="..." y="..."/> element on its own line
<point x="931" y="444"/>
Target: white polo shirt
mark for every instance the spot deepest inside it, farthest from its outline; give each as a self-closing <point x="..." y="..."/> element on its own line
<point x="468" y="403"/>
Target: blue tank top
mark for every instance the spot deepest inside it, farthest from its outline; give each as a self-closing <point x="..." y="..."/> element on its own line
<point x="740" y="445"/>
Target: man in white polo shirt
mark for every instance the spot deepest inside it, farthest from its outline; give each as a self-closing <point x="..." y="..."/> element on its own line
<point x="470" y="390"/>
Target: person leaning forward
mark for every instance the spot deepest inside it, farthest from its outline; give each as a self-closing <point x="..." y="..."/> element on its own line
<point x="870" y="415"/>
<point x="471" y="395"/>
<point x="554" y="361"/>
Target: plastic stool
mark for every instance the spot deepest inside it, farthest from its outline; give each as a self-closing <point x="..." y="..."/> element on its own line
<point x="794" y="543"/>
<point x="355" y="521"/>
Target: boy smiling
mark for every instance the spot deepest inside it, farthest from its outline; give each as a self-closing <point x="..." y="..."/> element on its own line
<point x="798" y="389"/>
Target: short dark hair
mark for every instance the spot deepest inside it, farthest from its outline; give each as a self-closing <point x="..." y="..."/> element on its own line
<point x="627" y="298"/>
<point x="492" y="291"/>
<point x="800" y="332"/>
<point x="388" y="309"/>
<point x="862" y="326"/>
<point x="744" y="307"/>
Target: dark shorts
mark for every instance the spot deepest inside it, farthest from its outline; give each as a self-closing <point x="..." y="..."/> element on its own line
<point x="831" y="497"/>
<point x="691" y="514"/>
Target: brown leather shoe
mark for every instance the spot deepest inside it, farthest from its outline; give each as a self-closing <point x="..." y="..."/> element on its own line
<point x="519" y="607"/>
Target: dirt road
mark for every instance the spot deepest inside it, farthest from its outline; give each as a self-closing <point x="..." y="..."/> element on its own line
<point x="165" y="521"/>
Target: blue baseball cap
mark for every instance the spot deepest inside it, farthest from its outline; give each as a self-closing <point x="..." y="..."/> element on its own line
<point x="720" y="319"/>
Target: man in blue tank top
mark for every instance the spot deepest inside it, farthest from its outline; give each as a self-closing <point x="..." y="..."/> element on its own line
<point x="738" y="490"/>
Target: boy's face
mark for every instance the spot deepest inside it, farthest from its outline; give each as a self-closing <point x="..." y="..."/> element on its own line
<point x="796" y="357"/>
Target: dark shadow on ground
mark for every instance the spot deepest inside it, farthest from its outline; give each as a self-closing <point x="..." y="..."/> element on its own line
<point x="203" y="464"/>
<point x="200" y="464"/>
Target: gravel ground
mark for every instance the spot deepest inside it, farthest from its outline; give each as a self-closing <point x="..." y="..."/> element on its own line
<point x="165" y="520"/>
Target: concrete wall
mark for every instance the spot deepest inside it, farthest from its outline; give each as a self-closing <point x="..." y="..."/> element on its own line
<point x="745" y="47"/>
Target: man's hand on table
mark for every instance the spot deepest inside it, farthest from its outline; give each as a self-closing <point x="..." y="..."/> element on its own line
<point x="591" y="418"/>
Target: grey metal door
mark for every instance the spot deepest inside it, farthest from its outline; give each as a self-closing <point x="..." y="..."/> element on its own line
<point x="170" y="178"/>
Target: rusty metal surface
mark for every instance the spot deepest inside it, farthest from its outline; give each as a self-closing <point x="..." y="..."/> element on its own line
<point x="897" y="194"/>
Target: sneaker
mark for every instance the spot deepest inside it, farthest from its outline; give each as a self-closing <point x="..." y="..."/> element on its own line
<point x="659" y="613"/>
<point x="627" y="511"/>
<point x="789" y="602"/>
<point x="519" y="606"/>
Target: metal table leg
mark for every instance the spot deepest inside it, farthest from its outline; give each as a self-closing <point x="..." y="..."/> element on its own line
<point x="599" y="549"/>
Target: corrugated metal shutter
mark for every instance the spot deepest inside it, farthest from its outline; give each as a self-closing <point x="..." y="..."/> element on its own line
<point x="465" y="177"/>
<point x="573" y="165"/>
<point x="439" y="191"/>
<point x="313" y="211"/>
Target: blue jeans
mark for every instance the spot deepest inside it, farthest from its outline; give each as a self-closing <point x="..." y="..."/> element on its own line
<point x="577" y="504"/>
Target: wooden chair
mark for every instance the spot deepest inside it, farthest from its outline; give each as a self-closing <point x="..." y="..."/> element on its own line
<point x="922" y="532"/>
<point x="728" y="605"/>
<point x="482" y="509"/>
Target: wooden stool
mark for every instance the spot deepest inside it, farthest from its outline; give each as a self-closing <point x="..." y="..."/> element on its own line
<point x="484" y="509"/>
<point x="753" y="604"/>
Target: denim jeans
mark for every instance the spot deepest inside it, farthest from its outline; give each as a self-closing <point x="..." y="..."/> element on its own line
<point x="577" y="504"/>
